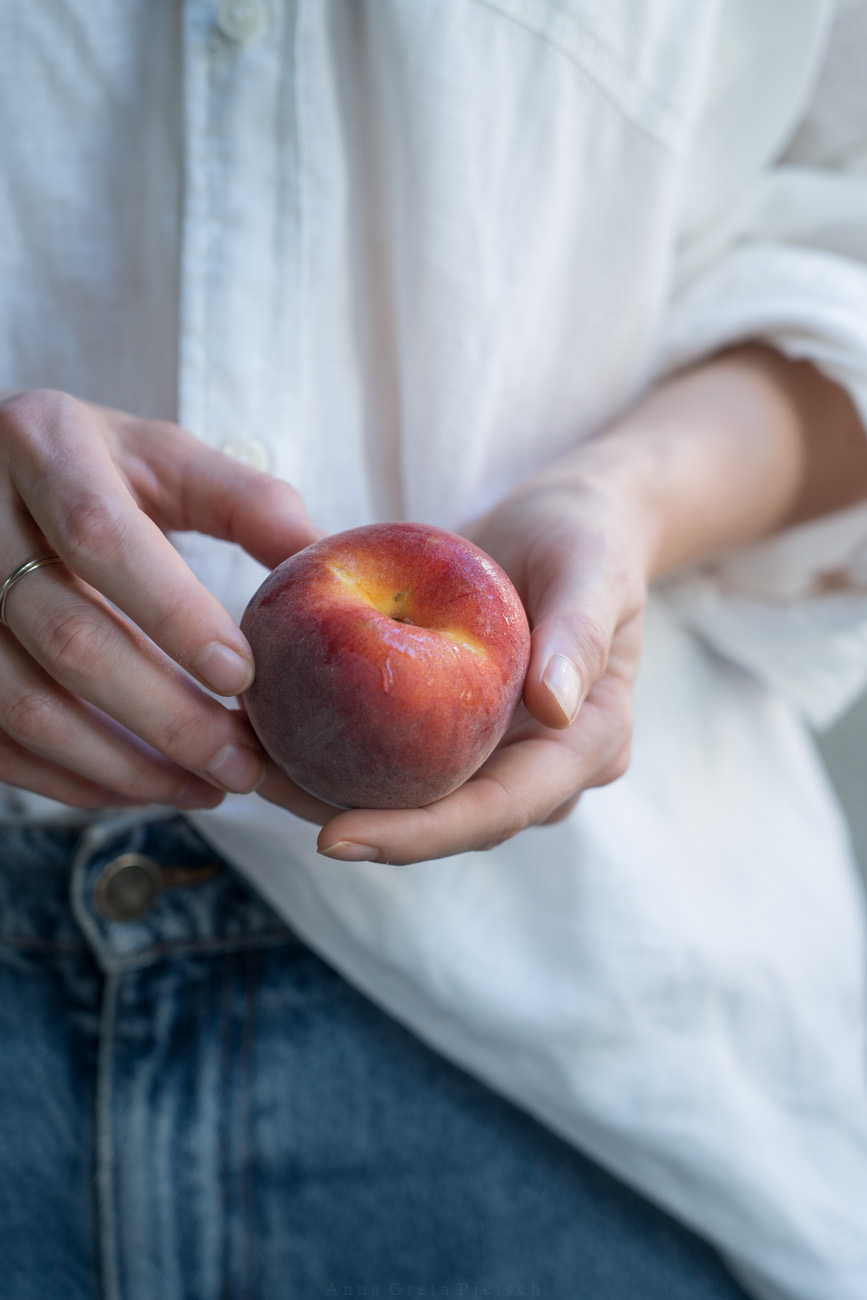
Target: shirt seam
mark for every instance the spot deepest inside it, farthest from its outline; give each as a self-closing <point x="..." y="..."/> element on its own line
<point x="663" y="106"/>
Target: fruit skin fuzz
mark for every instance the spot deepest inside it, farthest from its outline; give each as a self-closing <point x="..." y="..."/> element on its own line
<point x="389" y="662"/>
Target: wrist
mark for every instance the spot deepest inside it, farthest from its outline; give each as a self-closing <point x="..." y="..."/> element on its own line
<point x="726" y="453"/>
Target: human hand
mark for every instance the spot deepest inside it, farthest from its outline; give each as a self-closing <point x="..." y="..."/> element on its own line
<point x="714" y="457"/>
<point x="575" y="557"/>
<point x="98" y="706"/>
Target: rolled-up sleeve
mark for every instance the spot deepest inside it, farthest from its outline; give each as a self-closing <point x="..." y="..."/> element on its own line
<point x="780" y="255"/>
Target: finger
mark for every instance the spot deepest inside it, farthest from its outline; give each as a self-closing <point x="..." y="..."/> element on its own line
<point x="25" y="771"/>
<point x="522" y="784"/>
<point x="576" y="604"/>
<point x="57" y="745"/>
<point x="517" y="787"/>
<point x="505" y="797"/>
<point x="64" y="471"/>
<point x="277" y="788"/>
<point x="83" y="644"/>
<point x="560" y="814"/>
<point x="187" y="485"/>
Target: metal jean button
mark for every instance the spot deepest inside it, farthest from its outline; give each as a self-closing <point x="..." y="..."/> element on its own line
<point x="128" y="887"/>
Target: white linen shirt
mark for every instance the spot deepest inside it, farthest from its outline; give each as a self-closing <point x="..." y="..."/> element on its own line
<point x="401" y="253"/>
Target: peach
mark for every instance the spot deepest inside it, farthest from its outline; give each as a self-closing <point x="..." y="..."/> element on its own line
<point x="389" y="662"/>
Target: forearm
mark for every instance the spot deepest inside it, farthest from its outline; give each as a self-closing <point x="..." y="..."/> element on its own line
<point x="727" y="453"/>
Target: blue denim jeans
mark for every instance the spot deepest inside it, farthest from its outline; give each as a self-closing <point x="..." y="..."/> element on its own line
<point x="194" y="1106"/>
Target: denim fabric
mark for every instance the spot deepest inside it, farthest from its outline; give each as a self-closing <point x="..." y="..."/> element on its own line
<point x="194" y="1106"/>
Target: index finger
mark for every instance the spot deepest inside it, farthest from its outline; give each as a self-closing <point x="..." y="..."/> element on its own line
<point x="519" y="786"/>
<point x="65" y="473"/>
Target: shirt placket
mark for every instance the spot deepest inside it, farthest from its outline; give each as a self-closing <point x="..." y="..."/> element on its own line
<point x="241" y="238"/>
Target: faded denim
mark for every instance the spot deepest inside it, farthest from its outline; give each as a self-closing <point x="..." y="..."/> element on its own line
<point x="194" y="1106"/>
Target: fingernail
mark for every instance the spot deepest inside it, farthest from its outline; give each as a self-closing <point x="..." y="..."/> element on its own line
<point x="564" y="682"/>
<point x="237" y="768"/>
<point x="347" y="851"/>
<point x="225" y="671"/>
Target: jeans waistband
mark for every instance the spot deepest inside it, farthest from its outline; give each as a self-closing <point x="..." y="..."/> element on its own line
<point x="130" y="890"/>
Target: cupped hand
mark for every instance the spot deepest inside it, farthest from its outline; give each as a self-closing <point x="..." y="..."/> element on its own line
<point x="715" y="456"/>
<point x="100" y="655"/>
<point x="576" y="558"/>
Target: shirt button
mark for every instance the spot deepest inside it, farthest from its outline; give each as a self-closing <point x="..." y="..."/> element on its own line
<point x="249" y="451"/>
<point x="242" y="20"/>
<point x="128" y="887"/>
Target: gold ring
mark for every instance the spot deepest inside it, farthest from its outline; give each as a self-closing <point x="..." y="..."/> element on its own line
<point x="29" y="566"/>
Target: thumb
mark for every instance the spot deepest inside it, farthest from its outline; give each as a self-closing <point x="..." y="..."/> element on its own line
<point x="567" y="659"/>
<point x="573" y="625"/>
